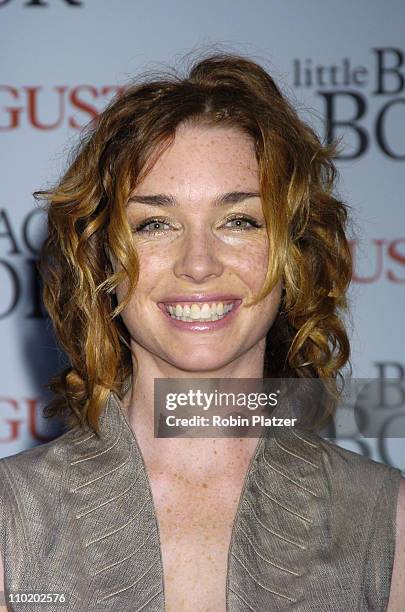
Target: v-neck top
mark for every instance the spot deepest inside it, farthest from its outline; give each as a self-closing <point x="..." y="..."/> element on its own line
<point x="314" y="529"/>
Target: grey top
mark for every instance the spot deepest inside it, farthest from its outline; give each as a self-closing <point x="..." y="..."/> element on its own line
<point x="314" y="529"/>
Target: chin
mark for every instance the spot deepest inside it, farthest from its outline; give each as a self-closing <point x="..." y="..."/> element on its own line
<point x="198" y="364"/>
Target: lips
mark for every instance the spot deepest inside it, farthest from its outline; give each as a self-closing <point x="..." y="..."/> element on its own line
<point x="200" y="297"/>
<point x="192" y="313"/>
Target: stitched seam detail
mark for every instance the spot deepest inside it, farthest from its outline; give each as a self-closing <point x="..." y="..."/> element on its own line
<point x="122" y="413"/>
<point x="290" y="452"/>
<point x="99" y="453"/>
<point x="284" y="569"/>
<point x="304" y="439"/>
<point x="88" y="482"/>
<point x="129" y="586"/>
<point x="289" y="477"/>
<point x="297" y="544"/>
<point x="87" y="511"/>
<point x="242" y="599"/>
<point x="80" y="441"/>
<point x="290" y="510"/>
<point x="120" y="528"/>
<point x="262" y="585"/>
<point x="104" y="569"/>
<point x="149" y="600"/>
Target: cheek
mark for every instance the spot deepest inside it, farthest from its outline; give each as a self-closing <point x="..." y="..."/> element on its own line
<point x="152" y="258"/>
<point x="272" y="301"/>
<point x="252" y="265"/>
<point x="151" y="264"/>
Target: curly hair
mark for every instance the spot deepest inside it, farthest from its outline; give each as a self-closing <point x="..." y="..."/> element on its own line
<point x="87" y="227"/>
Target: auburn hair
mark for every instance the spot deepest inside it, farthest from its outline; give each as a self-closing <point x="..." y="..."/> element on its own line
<point x="87" y="226"/>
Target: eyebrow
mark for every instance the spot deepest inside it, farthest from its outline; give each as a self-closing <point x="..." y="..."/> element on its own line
<point x="232" y="197"/>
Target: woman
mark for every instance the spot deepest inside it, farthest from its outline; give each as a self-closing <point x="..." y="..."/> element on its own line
<point x="188" y="192"/>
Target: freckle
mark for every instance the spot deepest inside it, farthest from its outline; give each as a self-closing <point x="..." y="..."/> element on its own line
<point x="168" y="510"/>
<point x="204" y="485"/>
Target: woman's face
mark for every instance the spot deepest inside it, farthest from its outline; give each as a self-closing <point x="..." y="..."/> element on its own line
<point x="201" y="237"/>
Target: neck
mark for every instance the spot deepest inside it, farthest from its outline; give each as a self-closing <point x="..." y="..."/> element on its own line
<point x="191" y="455"/>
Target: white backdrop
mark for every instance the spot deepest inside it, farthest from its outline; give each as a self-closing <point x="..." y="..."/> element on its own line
<point x="341" y="63"/>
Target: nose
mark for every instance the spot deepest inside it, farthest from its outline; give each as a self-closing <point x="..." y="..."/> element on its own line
<point x="198" y="257"/>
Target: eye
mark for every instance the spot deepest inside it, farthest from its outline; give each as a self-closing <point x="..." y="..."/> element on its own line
<point x="241" y="221"/>
<point x="158" y="225"/>
<point x="150" y="226"/>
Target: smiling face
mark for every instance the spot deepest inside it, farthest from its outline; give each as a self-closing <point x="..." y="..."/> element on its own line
<point x="200" y="233"/>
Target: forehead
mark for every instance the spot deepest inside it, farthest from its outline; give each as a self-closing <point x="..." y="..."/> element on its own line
<point x="205" y="157"/>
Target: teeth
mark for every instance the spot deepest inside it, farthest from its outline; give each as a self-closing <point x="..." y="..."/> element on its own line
<point x="206" y="311"/>
<point x="197" y="312"/>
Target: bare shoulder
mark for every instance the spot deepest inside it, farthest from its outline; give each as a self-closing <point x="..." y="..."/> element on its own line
<point x="397" y="593"/>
